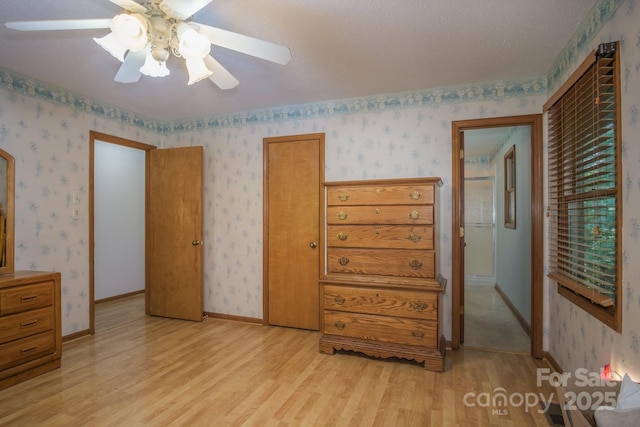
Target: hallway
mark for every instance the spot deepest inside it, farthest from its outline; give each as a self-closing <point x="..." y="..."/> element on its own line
<point x="490" y="324"/>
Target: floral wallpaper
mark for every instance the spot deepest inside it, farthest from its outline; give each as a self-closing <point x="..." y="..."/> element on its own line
<point x="381" y="136"/>
<point x="50" y="144"/>
<point x="577" y="340"/>
<point x="388" y="143"/>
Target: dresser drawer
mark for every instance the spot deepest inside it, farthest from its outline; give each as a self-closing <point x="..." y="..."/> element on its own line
<point x="22" y="298"/>
<point x="382" y="328"/>
<point x="380" y="194"/>
<point x="381" y="236"/>
<point x="384" y="262"/>
<point x="24" y="324"/>
<point x="25" y="349"/>
<point x="413" y="304"/>
<point x="376" y="214"/>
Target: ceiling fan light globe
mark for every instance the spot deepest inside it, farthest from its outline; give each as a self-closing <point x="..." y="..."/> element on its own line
<point x="191" y="44"/>
<point x="131" y="30"/>
<point x="111" y="44"/>
<point x="197" y="70"/>
<point x="153" y="68"/>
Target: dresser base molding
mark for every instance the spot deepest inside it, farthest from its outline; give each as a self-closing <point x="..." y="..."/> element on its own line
<point x="29" y="373"/>
<point x="433" y="359"/>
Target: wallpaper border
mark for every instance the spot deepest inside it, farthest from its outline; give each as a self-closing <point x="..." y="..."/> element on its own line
<point x="593" y="23"/>
<point x="598" y="16"/>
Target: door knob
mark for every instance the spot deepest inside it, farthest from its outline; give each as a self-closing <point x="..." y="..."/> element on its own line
<point x="197" y="242"/>
<point x="313" y="245"/>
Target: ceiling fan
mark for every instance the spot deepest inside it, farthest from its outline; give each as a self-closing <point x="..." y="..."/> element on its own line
<point x="147" y="33"/>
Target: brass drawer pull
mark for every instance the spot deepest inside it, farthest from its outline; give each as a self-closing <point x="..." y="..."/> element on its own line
<point x="342" y="236"/>
<point x="28" y="324"/>
<point x="417" y="334"/>
<point x="29" y="350"/>
<point x="415" y="195"/>
<point x="29" y="298"/>
<point x="414" y="215"/>
<point x="415" y="264"/>
<point x="418" y="306"/>
<point x="415" y="238"/>
<point x="342" y="215"/>
<point x="343" y="197"/>
<point x="340" y="325"/>
<point x="343" y="261"/>
<point x="339" y="300"/>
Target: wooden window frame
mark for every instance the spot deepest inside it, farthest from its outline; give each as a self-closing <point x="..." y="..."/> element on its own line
<point x="604" y="304"/>
<point x="510" y="188"/>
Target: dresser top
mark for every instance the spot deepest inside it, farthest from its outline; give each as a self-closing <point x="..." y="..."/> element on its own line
<point x="393" y="181"/>
<point x="25" y="276"/>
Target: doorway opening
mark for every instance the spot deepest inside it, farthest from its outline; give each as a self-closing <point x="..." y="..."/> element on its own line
<point x="173" y="254"/>
<point x="497" y="257"/>
<point x="520" y="284"/>
<point x="130" y="281"/>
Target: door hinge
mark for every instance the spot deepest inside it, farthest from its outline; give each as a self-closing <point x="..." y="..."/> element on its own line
<point x="461" y="154"/>
<point x="461" y="231"/>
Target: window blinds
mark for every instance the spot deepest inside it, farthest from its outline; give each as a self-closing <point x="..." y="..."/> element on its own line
<point x="584" y="184"/>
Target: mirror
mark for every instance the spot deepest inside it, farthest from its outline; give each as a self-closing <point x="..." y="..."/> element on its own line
<point x="7" y="193"/>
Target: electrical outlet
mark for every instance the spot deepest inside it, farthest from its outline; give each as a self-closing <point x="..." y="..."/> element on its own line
<point x="75" y="213"/>
<point x="605" y="372"/>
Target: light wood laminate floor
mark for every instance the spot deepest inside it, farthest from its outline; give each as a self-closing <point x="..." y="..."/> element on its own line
<point x="151" y="371"/>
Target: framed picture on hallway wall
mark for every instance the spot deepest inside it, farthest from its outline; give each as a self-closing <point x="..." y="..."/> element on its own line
<point x="510" y="188"/>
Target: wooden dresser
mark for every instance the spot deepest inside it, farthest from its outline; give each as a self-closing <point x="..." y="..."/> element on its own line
<point x="380" y="290"/>
<point x="30" y="330"/>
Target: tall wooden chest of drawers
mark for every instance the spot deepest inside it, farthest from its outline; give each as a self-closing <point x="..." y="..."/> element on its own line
<point x="380" y="288"/>
<point x="30" y="329"/>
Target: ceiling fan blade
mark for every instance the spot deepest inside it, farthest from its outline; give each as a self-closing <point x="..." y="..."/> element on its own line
<point x="221" y="77"/>
<point x="259" y="48"/>
<point x="182" y="9"/>
<point x="129" y="71"/>
<point x="60" y="24"/>
<point x="130" y="5"/>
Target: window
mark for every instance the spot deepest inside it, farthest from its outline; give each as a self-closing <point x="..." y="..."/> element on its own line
<point x="584" y="187"/>
<point x="510" y="188"/>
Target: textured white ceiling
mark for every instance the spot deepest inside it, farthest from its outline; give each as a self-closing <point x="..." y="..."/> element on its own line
<point x="340" y="49"/>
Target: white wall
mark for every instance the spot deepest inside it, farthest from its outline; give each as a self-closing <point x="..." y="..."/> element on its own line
<point x="513" y="245"/>
<point x="119" y="220"/>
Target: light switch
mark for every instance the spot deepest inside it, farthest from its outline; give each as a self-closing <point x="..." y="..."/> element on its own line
<point x="74" y="199"/>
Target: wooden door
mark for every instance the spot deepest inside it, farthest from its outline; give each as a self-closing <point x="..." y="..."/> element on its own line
<point x="294" y="172"/>
<point x="174" y="238"/>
